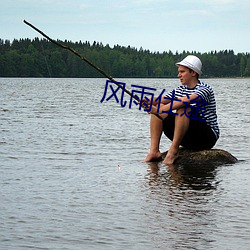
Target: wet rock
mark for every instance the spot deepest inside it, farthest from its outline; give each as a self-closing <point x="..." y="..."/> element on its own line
<point x="205" y="157"/>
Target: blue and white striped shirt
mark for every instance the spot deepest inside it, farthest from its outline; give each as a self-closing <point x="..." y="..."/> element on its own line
<point x="206" y="93"/>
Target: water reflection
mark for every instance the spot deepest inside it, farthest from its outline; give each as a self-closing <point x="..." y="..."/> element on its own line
<point x="183" y="177"/>
<point x="183" y="197"/>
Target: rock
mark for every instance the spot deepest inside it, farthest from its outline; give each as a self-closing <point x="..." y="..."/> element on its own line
<point x="213" y="157"/>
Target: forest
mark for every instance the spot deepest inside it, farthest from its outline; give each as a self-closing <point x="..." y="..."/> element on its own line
<point x="41" y="58"/>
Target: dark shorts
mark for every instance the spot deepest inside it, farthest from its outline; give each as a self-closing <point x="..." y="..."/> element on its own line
<point x="198" y="137"/>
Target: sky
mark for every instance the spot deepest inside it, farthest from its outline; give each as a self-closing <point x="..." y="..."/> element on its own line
<point x="155" y="25"/>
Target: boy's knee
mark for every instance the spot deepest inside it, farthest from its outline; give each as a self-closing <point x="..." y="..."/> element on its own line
<point x="183" y="110"/>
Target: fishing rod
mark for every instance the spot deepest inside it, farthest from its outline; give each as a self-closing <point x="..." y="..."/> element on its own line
<point x="88" y="62"/>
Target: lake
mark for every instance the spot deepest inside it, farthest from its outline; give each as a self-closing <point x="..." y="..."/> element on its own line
<point x="72" y="173"/>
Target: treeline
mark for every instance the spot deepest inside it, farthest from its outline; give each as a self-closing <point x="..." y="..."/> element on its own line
<point x="41" y="58"/>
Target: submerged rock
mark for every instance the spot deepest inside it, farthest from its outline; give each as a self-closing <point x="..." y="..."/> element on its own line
<point x="204" y="157"/>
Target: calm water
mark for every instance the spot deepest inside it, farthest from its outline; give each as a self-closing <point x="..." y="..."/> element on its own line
<point x="72" y="175"/>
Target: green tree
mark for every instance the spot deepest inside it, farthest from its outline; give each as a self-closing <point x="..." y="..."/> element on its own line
<point x="247" y="69"/>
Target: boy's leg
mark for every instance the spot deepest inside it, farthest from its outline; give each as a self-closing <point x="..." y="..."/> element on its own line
<point x="181" y="127"/>
<point x="156" y="128"/>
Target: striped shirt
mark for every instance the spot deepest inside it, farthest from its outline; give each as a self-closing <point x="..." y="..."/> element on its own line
<point x="209" y="109"/>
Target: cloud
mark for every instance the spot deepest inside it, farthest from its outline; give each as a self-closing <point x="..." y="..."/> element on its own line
<point x="225" y="5"/>
<point x="148" y="2"/>
<point x="84" y="6"/>
<point x="222" y="2"/>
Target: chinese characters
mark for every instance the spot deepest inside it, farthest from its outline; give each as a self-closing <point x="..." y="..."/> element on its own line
<point x="141" y="94"/>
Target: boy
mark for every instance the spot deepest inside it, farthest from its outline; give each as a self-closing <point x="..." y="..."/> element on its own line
<point x="194" y="125"/>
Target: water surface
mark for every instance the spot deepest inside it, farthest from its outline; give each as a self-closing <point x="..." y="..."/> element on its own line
<point x="72" y="175"/>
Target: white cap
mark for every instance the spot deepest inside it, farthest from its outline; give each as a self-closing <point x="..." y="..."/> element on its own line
<point x="191" y="62"/>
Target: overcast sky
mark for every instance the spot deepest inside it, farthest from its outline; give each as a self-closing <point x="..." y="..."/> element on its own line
<point x="157" y="25"/>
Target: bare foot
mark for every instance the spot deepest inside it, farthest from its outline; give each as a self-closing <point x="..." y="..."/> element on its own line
<point x="153" y="156"/>
<point x="170" y="157"/>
